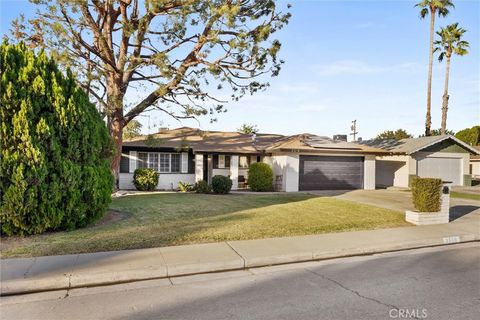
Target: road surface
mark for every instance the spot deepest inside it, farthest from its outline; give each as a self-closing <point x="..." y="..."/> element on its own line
<point x="432" y="283"/>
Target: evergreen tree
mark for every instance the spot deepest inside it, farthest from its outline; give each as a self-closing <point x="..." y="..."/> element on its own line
<point x="398" y="134"/>
<point x="55" y="149"/>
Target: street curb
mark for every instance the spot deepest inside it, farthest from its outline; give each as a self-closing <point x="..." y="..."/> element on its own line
<point x="24" y="286"/>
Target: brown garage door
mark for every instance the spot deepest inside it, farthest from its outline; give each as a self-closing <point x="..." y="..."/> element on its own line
<point x="330" y="173"/>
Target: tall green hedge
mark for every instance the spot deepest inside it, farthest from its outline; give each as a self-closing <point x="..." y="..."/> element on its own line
<point x="55" y="148"/>
<point x="427" y="193"/>
<point x="260" y="177"/>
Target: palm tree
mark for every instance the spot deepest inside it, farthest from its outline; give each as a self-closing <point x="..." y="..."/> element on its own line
<point x="432" y="7"/>
<point x="450" y="43"/>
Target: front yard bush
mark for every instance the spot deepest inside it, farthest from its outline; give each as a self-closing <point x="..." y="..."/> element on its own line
<point x="202" y="187"/>
<point x="260" y="177"/>
<point x="427" y="194"/>
<point x="184" y="186"/>
<point x="145" y="179"/>
<point x="221" y="184"/>
<point x="54" y="148"/>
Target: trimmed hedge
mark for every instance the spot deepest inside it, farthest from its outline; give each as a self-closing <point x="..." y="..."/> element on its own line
<point x="260" y="177"/>
<point x="202" y="187"/>
<point x="145" y="179"/>
<point x="221" y="184"/>
<point x="427" y="193"/>
<point x="55" y="149"/>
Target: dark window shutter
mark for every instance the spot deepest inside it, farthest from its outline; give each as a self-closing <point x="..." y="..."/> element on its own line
<point x="227" y="161"/>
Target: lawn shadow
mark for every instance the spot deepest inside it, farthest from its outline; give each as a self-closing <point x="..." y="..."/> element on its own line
<point x="159" y="229"/>
<point x="457" y="212"/>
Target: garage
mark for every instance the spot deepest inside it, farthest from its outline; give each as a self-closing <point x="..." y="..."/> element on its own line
<point x="331" y="173"/>
<point x="447" y="169"/>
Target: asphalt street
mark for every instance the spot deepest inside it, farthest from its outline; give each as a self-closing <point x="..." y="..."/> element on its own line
<point x="431" y="283"/>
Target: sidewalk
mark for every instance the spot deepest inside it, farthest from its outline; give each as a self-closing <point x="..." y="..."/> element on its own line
<point x="26" y="275"/>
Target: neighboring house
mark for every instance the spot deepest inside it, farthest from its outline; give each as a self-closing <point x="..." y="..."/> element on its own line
<point x="475" y="165"/>
<point x="299" y="162"/>
<point x="444" y="157"/>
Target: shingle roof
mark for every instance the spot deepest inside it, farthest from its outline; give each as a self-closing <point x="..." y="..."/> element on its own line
<point x="412" y="145"/>
<point x="313" y="143"/>
<point x="205" y="141"/>
<point x="235" y="142"/>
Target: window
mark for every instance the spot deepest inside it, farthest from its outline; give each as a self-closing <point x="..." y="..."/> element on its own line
<point x="243" y="162"/>
<point x="161" y="162"/>
<point x="221" y="161"/>
<point x="142" y="161"/>
<point x="164" y="162"/>
<point x="176" y="162"/>
<point x="153" y="161"/>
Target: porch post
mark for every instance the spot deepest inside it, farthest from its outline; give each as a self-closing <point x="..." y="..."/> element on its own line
<point x="209" y="168"/>
<point x="198" y="167"/>
<point x="369" y="173"/>
<point x="234" y="172"/>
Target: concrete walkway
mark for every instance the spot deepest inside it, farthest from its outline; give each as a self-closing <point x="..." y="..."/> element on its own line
<point x="401" y="200"/>
<point x="26" y="275"/>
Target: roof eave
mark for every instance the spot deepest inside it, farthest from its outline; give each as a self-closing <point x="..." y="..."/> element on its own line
<point x="460" y="142"/>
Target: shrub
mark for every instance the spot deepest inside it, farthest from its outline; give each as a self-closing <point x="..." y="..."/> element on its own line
<point x="260" y="177"/>
<point x="184" y="187"/>
<point x="221" y="184"/>
<point x="55" y="149"/>
<point x="202" y="187"/>
<point x="145" y="179"/>
<point x="427" y="194"/>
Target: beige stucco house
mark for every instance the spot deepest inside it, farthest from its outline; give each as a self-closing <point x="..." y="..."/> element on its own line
<point x="444" y="157"/>
<point x="300" y="162"/>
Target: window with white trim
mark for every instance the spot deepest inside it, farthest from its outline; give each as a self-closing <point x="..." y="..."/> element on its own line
<point x="164" y="162"/>
<point x="153" y="161"/>
<point x="142" y="161"/>
<point x="159" y="161"/>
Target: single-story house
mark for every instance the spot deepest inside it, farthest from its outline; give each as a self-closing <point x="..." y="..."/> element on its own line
<point x="444" y="157"/>
<point x="300" y="162"/>
<point x="475" y="165"/>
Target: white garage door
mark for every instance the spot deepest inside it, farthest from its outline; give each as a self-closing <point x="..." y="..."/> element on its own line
<point x="446" y="169"/>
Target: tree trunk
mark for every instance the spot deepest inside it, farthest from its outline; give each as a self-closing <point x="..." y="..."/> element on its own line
<point x="428" y="120"/>
<point x="116" y="122"/>
<point x="445" y="97"/>
<point x="116" y="133"/>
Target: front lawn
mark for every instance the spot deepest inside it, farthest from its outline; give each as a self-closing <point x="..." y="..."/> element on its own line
<point x="142" y="221"/>
<point x="464" y="195"/>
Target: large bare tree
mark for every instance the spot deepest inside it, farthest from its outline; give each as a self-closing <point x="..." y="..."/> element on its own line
<point x="170" y="54"/>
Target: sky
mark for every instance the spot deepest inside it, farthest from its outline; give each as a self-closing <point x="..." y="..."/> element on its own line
<point x="344" y="61"/>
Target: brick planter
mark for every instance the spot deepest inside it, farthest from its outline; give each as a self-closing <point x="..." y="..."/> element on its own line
<point x="424" y="218"/>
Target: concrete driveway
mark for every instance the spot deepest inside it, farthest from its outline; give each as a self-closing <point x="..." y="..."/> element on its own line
<point x="402" y="200"/>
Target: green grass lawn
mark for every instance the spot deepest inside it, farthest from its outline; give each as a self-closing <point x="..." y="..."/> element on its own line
<point x="463" y="195"/>
<point x="173" y="219"/>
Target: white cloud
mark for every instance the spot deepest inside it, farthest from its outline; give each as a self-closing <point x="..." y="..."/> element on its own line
<point x="355" y="67"/>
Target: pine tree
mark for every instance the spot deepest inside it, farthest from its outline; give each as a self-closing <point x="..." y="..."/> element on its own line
<point x="55" y="149"/>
